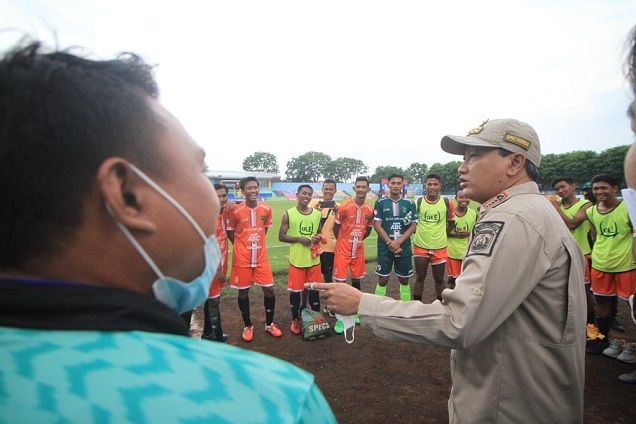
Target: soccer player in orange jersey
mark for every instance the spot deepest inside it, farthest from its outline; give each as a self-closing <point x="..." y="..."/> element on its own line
<point x="212" y="329"/>
<point x="246" y="228"/>
<point x="354" y="221"/>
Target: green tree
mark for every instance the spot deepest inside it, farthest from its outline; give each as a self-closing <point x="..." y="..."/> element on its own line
<point x="580" y="165"/>
<point x="551" y="168"/>
<point x="384" y="171"/>
<point x="344" y="169"/>
<point x="450" y="177"/>
<point x="418" y="171"/>
<point x="436" y="168"/>
<point x="610" y="161"/>
<point x="336" y="170"/>
<point x="261" y="162"/>
<point x="309" y="166"/>
<point x="449" y="174"/>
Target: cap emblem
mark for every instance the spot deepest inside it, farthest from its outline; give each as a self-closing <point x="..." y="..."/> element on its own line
<point x="477" y="129"/>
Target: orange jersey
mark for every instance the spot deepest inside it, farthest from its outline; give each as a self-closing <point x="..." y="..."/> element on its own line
<point x="221" y="236"/>
<point x="249" y="226"/>
<point x="353" y="222"/>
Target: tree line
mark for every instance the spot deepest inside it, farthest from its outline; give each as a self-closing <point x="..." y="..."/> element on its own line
<point x="580" y="165"/>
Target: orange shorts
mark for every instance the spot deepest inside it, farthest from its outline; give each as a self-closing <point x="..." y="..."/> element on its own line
<point x="621" y="284"/>
<point x="587" y="269"/>
<point x="453" y="267"/>
<point x="297" y="277"/>
<point x="437" y="256"/>
<point x="342" y="263"/>
<point x="215" y="287"/>
<point x="245" y="277"/>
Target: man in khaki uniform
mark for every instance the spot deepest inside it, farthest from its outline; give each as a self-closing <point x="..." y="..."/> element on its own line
<point x="516" y="319"/>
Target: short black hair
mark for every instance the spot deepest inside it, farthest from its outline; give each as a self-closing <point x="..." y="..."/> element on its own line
<point x="329" y="181"/>
<point x="61" y="116"/>
<point x="559" y="179"/>
<point x="395" y="175"/>
<point x="605" y="178"/>
<point x="300" y="187"/>
<point x="457" y="192"/>
<point x="531" y="169"/>
<point x="436" y="176"/>
<point x="362" y="178"/>
<point x="219" y="186"/>
<point x="243" y="182"/>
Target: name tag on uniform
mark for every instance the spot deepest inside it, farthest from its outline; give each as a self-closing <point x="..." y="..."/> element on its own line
<point x="485" y="235"/>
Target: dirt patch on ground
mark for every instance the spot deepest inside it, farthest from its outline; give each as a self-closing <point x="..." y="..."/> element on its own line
<point x="379" y="381"/>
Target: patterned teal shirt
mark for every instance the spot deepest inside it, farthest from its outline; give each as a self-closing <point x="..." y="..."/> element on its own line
<point x="133" y="376"/>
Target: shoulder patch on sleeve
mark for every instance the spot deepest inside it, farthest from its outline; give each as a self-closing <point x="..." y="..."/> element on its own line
<point x="485" y="235"/>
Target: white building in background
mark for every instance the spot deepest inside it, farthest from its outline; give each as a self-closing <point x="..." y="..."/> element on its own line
<point x="231" y="180"/>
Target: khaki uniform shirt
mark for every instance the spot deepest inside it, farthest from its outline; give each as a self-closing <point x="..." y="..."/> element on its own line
<point x="515" y="320"/>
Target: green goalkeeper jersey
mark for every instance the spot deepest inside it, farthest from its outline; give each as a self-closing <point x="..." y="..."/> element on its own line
<point x="396" y="217"/>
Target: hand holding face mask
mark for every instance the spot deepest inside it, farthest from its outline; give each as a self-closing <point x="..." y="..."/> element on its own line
<point x="341" y="299"/>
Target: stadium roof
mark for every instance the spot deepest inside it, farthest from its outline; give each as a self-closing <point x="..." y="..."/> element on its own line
<point x="241" y="174"/>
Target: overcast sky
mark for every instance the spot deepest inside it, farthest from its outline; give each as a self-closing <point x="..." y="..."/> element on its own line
<point x="378" y="81"/>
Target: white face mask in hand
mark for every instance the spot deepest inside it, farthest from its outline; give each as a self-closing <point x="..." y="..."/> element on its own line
<point x="348" y="322"/>
<point x="629" y="195"/>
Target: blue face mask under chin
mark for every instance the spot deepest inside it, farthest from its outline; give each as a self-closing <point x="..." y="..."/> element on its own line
<point x="182" y="296"/>
<point x="179" y="295"/>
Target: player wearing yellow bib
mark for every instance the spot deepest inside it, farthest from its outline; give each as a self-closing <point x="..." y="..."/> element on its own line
<point x="300" y="226"/>
<point x="465" y="219"/>
<point x="573" y="214"/>
<point x="436" y="216"/>
<point x="613" y="267"/>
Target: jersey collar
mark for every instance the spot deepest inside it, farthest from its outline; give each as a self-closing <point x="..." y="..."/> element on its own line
<point x="525" y="188"/>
